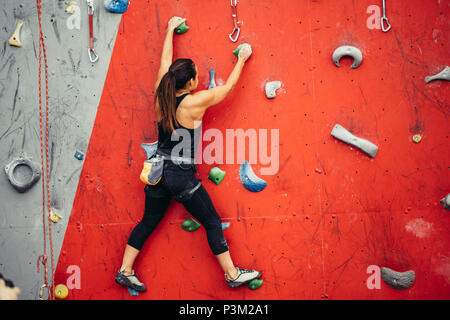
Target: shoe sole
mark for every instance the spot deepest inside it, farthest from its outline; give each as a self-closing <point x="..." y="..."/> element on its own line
<point x="130" y="285"/>
<point x="237" y="284"/>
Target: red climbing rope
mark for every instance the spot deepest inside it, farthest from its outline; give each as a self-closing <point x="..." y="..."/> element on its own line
<point x="45" y="168"/>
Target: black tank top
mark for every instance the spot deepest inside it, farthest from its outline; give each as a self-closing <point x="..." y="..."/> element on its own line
<point x="165" y="144"/>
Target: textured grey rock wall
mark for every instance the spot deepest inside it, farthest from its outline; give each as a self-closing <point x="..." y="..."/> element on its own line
<point x="75" y="87"/>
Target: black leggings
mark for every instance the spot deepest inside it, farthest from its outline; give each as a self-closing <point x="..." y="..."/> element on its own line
<point x="179" y="181"/>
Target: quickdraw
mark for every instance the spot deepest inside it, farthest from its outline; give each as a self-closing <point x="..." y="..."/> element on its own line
<point x="236" y="29"/>
<point x="384" y="19"/>
<point x="44" y="164"/>
<point x="93" y="57"/>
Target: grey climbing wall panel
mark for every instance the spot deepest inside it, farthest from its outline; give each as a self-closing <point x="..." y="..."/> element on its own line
<point x="75" y="87"/>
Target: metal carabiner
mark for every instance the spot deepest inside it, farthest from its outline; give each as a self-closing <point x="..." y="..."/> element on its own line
<point x="92" y="55"/>
<point x="90" y="4"/>
<point x="236" y="29"/>
<point x="385" y="19"/>
<point x="41" y="291"/>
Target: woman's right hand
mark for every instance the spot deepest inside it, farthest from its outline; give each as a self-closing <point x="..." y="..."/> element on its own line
<point x="174" y="22"/>
<point x="245" y="53"/>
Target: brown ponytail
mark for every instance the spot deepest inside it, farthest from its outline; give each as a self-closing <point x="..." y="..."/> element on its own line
<point x="180" y="72"/>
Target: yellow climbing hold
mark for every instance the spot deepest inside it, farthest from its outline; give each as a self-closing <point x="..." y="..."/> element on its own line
<point x="61" y="291"/>
<point x="54" y="216"/>
<point x="417" y="138"/>
<point x="15" y="38"/>
<point x="71" y="7"/>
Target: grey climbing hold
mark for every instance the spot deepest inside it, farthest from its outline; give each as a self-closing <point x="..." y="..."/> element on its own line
<point x="398" y="280"/>
<point x="249" y="179"/>
<point x="446" y="202"/>
<point x="351" y="51"/>
<point x="344" y="135"/>
<point x="150" y="149"/>
<point x="22" y="173"/>
<point x="212" y="81"/>
<point x="271" y="88"/>
<point x="443" y="75"/>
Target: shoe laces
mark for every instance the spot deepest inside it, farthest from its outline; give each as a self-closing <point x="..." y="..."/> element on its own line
<point x="131" y="275"/>
<point x="244" y="270"/>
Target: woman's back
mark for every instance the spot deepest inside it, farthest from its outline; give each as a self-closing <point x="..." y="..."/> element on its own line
<point x="166" y="144"/>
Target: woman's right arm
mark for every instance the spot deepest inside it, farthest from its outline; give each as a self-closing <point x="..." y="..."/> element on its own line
<point x="207" y="98"/>
<point x="167" y="50"/>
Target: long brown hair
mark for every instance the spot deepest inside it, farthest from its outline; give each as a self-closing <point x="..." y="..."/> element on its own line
<point x="180" y="72"/>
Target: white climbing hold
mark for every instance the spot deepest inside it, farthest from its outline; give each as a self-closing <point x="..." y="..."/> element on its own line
<point x="446" y="202"/>
<point x="350" y="51"/>
<point x="344" y="135"/>
<point x="74" y="21"/>
<point x="443" y="75"/>
<point x="271" y="88"/>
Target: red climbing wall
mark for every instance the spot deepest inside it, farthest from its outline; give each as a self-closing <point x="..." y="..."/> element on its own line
<point x="331" y="211"/>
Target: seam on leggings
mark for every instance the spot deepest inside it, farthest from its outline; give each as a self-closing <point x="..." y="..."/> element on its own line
<point x="205" y="207"/>
<point x="188" y="192"/>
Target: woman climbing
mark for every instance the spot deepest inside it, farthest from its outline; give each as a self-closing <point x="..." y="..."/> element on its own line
<point x="179" y="111"/>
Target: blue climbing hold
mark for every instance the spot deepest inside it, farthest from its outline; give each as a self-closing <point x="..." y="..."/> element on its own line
<point x="79" y="155"/>
<point x="249" y="179"/>
<point x="133" y="292"/>
<point x="212" y="81"/>
<point x="116" y="6"/>
<point x="225" y="225"/>
<point x="149" y="149"/>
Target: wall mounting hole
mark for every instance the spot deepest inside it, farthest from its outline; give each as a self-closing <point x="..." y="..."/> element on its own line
<point x="22" y="173"/>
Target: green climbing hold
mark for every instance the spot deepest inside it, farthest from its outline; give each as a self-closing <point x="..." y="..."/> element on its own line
<point x="182" y="28"/>
<point x="255" y="284"/>
<point x="216" y="175"/>
<point x="236" y="52"/>
<point x="190" y="225"/>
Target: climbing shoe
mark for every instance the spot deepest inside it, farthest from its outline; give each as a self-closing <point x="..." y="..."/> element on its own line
<point x="130" y="281"/>
<point x="244" y="276"/>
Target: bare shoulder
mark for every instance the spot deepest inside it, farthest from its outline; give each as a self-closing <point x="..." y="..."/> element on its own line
<point x="201" y="98"/>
